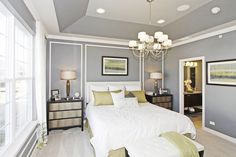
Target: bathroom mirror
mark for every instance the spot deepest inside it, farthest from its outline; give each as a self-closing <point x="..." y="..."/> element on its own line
<point x="193" y="74"/>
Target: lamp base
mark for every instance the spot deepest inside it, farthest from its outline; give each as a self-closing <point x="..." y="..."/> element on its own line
<point x="156" y="91"/>
<point x="68" y="89"/>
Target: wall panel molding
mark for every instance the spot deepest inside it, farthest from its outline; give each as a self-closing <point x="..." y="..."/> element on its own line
<point x="50" y="62"/>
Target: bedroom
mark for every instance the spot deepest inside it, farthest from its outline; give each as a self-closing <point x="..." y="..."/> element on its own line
<point x="78" y="45"/>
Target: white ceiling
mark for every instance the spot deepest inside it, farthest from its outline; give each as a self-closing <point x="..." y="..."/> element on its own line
<point x="137" y="11"/>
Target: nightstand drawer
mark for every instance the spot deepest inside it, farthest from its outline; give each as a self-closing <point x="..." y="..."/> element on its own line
<point x="64" y="114"/>
<point x="165" y="101"/>
<point x="161" y="99"/>
<point x="65" y="106"/>
<point x="64" y="123"/>
<point x="165" y="105"/>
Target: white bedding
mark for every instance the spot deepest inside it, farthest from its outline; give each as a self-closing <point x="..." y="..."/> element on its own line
<point x="150" y="147"/>
<point x="114" y="127"/>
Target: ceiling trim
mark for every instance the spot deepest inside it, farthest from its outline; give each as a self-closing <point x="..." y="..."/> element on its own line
<point x="218" y="30"/>
<point x="90" y="39"/>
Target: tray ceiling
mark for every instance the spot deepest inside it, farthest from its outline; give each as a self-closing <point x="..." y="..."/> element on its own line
<point x="123" y="19"/>
<point x="137" y="11"/>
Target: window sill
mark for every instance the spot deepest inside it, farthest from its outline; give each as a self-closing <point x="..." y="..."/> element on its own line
<point x="15" y="147"/>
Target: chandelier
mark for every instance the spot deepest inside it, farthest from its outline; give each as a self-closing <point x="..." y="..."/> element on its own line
<point x="147" y="45"/>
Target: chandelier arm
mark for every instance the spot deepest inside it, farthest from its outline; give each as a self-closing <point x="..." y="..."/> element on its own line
<point x="137" y="53"/>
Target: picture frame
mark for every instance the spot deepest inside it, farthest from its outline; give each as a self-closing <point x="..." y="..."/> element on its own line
<point x="54" y="94"/>
<point x="221" y="72"/>
<point x="115" y="66"/>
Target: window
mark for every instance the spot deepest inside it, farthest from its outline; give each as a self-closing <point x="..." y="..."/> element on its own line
<point x="16" y="55"/>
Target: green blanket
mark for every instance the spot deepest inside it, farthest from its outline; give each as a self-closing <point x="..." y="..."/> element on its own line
<point x="184" y="145"/>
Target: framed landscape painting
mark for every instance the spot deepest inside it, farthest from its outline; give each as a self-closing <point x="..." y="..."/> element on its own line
<point x="114" y="66"/>
<point x="221" y="72"/>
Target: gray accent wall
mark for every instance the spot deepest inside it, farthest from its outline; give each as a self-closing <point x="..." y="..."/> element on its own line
<point x="151" y="66"/>
<point x="94" y="64"/>
<point x="20" y="10"/>
<point x="220" y="100"/>
<point x="67" y="55"/>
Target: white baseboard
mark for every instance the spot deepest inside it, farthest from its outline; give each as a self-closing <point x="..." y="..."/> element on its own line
<point x="221" y="135"/>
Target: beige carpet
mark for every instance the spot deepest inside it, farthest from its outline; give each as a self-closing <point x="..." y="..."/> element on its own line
<point x="74" y="143"/>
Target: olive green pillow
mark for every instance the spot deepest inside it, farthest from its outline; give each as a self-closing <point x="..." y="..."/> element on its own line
<point x="103" y="97"/>
<point x="140" y="96"/>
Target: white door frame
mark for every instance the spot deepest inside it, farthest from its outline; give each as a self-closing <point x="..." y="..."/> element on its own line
<point x="181" y="85"/>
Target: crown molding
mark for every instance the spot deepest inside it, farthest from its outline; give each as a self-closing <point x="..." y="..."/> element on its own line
<point x="89" y="39"/>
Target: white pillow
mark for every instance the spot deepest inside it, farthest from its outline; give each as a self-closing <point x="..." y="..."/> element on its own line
<point x="132" y="87"/>
<point x="117" y="96"/>
<point x="116" y="87"/>
<point x="96" y="88"/>
<point x="126" y="102"/>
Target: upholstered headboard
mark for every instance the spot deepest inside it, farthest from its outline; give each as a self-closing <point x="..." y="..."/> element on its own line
<point x="88" y="89"/>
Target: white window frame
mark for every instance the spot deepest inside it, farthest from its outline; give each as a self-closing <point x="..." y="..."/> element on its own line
<point x="11" y="79"/>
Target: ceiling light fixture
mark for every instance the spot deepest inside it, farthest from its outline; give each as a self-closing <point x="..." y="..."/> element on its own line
<point x="100" y="11"/>
<point x="147" y="45"/>
<point x="184" y="7"/>
<point x="161" y="21"/>
<point x="215" y="10"/>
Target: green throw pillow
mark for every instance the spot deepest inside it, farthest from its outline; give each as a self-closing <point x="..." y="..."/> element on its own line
<point x="104" y="97"/>
<point x="140" y="95"/>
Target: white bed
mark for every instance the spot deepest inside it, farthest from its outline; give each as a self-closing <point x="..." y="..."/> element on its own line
<point x="114" y="127"/>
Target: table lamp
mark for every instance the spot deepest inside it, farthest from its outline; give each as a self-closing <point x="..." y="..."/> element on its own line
<point x="156" y="76"/>
<point x="68" y="75"/>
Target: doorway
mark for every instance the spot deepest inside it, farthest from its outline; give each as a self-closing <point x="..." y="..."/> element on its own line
<point x="192" y="89"/>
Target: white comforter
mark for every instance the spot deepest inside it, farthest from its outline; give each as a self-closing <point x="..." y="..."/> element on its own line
<point x="114" y="127"/>
<point x="150" y="147"/>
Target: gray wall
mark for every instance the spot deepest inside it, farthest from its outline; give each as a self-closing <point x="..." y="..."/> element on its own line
<point x="151" y="66"/>
<point x="220" y="100"/>
<point x="66" y="55"/>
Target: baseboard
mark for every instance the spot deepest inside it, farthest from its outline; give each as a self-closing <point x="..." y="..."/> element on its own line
<point x="219" y="134"/>
<point x="35" y="152"/>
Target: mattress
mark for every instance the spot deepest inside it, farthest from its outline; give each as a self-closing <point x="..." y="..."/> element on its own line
<point x="113" y="127"/>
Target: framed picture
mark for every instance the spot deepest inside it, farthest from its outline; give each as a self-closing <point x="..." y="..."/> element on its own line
<point x="54" y="93"/>
<point x="222" y="72"/>
<point x="115" y="66"/>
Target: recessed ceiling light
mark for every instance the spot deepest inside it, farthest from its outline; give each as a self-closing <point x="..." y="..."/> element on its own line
<point x="161" y="21"/>
<point x="215" y="10"/>
<point x="183" y="7"/>
<point x="100" y="11"/>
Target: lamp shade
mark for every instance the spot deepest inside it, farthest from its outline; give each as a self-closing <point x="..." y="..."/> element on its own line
<point x="156" y="75"/>
<point x="68" y="75"/>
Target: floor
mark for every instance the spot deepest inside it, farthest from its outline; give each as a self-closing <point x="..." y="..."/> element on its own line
<point x="197" y="119"/>
<point x="74" y="143"/>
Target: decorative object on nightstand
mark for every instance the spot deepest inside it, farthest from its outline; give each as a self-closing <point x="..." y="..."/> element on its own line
<point x="156" y="76"/>
<point x="65" y="114"/>
<point x="68" y="75"/>
<point x="162" y="100"/>
<point x="55" y="94"/>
